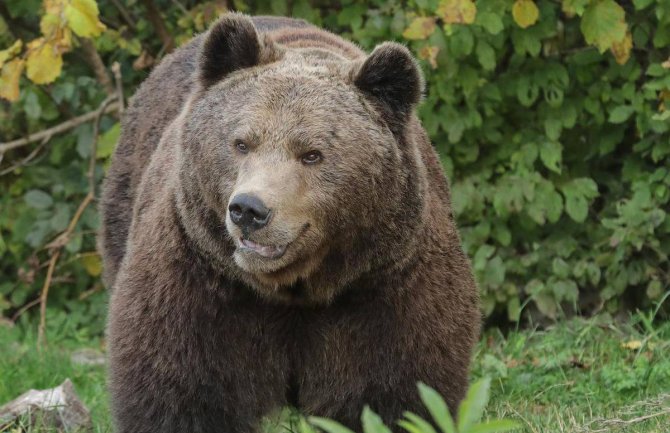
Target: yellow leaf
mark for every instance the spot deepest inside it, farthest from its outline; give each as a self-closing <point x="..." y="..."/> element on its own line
<point x="632" y="345"/>
<point x="457" y="11"/>
<point x="420" y="28"/>
<point x="525" y="13"/>
<point x="92" y="264"/>
<point x="44" y="61"/>
<point x="10" y="52"/>
<point x="82" y="18"/>
<point x="429" y="53"/>
<point x="9" y="79"/>
<point x="54" y="7"/>
<point x="50" y="24"/>
<point x="621" y="50"/>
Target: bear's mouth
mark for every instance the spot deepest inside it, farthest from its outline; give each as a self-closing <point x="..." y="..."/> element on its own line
<point x="267" y="251"/>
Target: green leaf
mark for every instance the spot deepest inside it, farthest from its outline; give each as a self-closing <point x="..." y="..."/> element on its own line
<point x="551" y="155"/>
<point x="621" y="113"/>
<point x="513" y="309"/>
<point x="574" y="7"/>
<point x="31" y="105"/>
<point x="328" y="425"/>
<point x="372" y="423"/>
<point x="421" y="425"/>
<point x="410" y="427"/>
<point x="527" y="91"/>
<point x="437" y="407"/>
<point x="491" y="22"/>
<point x="553" y="128"/>
<point x="279" y="7"/>
<point x="38" y="199"/>
<point x="107" y="141"/>
<point x="603" y="24"/>
<point x="486" y="55"/>
<point x="472" y="408"/>
<point x="578" y="193"/>
<point x="546" y="304"/>
<point x="641" y="4"/>
<point x="497" y="426"/>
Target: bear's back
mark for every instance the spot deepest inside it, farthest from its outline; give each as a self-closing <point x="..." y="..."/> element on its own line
<point x="157" y="102"/>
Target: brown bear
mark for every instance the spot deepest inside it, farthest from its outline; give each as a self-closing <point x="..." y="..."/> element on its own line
<point x="277" y="231"/>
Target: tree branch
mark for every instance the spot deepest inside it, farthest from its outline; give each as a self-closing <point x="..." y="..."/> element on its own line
<point x="57" y="244"/>
<point x="95" y="62"/>
<point x="154" y="16"/>
<point x="58" y="129"/>
<point x="116" y="70"/>
<point x="125" y="15"/>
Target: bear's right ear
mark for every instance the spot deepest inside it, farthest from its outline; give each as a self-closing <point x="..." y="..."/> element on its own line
<point x="232" y="43"/>
<point x="392" y="77"/>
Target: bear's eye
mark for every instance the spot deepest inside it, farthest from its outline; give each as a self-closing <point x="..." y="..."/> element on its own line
<point x="241" y="146"/>
<point x="311" y="157"/>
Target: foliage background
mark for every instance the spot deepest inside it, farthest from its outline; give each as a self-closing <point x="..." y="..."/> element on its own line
<point x="550" y="116"/>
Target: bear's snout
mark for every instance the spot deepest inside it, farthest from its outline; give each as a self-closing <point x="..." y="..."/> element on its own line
<point x="248" y="212"/>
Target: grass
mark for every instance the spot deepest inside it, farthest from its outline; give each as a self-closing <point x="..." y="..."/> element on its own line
<point x="580" y="376"/>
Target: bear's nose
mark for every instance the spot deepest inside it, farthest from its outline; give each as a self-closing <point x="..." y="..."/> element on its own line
<point x="248" y="212"/>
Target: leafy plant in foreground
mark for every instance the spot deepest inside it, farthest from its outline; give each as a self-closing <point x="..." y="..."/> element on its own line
<point x="470" y="413"/>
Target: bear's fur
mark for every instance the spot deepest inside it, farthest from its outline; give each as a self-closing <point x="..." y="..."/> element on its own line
<point x="368" y="290"/>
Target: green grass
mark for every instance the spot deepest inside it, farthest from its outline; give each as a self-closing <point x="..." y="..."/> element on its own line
<point x="581" y="376"/>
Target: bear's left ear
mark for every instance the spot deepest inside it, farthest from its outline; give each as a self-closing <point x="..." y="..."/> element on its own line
<point x="231" y="44"/>
<point x="391" y="76"/>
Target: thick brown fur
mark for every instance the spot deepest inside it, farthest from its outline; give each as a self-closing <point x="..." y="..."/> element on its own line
<point x="373" y="292"/>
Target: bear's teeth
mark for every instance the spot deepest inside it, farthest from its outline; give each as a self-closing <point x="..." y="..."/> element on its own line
<point x="263" y="250"/>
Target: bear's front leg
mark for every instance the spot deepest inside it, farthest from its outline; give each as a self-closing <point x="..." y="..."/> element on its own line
<point x="183" y="363"/>
<point x="373" y="354"/>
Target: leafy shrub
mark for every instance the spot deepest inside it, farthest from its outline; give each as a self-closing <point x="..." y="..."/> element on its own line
<point x="550" y="116"/>
<point x="470" y="413"/>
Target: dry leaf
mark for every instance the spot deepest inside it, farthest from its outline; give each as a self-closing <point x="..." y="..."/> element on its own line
<point x="44" y="61"/>
<point x="420" y="28"/>
<point x="621" y="50"/>
<point x="9" y="79"/>
<point x="632" y="345"/>
<point x="457" y="11"/>
<point x="10" y="52"/>
<point x="430" y="54"/>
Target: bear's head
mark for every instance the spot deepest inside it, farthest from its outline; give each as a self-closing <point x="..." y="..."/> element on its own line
<point x="300" y="168"/>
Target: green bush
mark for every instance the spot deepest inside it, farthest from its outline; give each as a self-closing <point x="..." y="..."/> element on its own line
<point x="551" y="118"/>
<point x="470" y="413"/>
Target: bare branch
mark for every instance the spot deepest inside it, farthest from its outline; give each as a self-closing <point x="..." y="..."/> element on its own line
<point x="116" y="70"/>
<point x="41" y="334"/>
<point x="58" y="129"/>
<point x="57" y="244"/>
<point x="154" y="16"/>
<point x="125" y="14"/>
<point x="93" y="59"/>
<point x="24" y="162"/>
